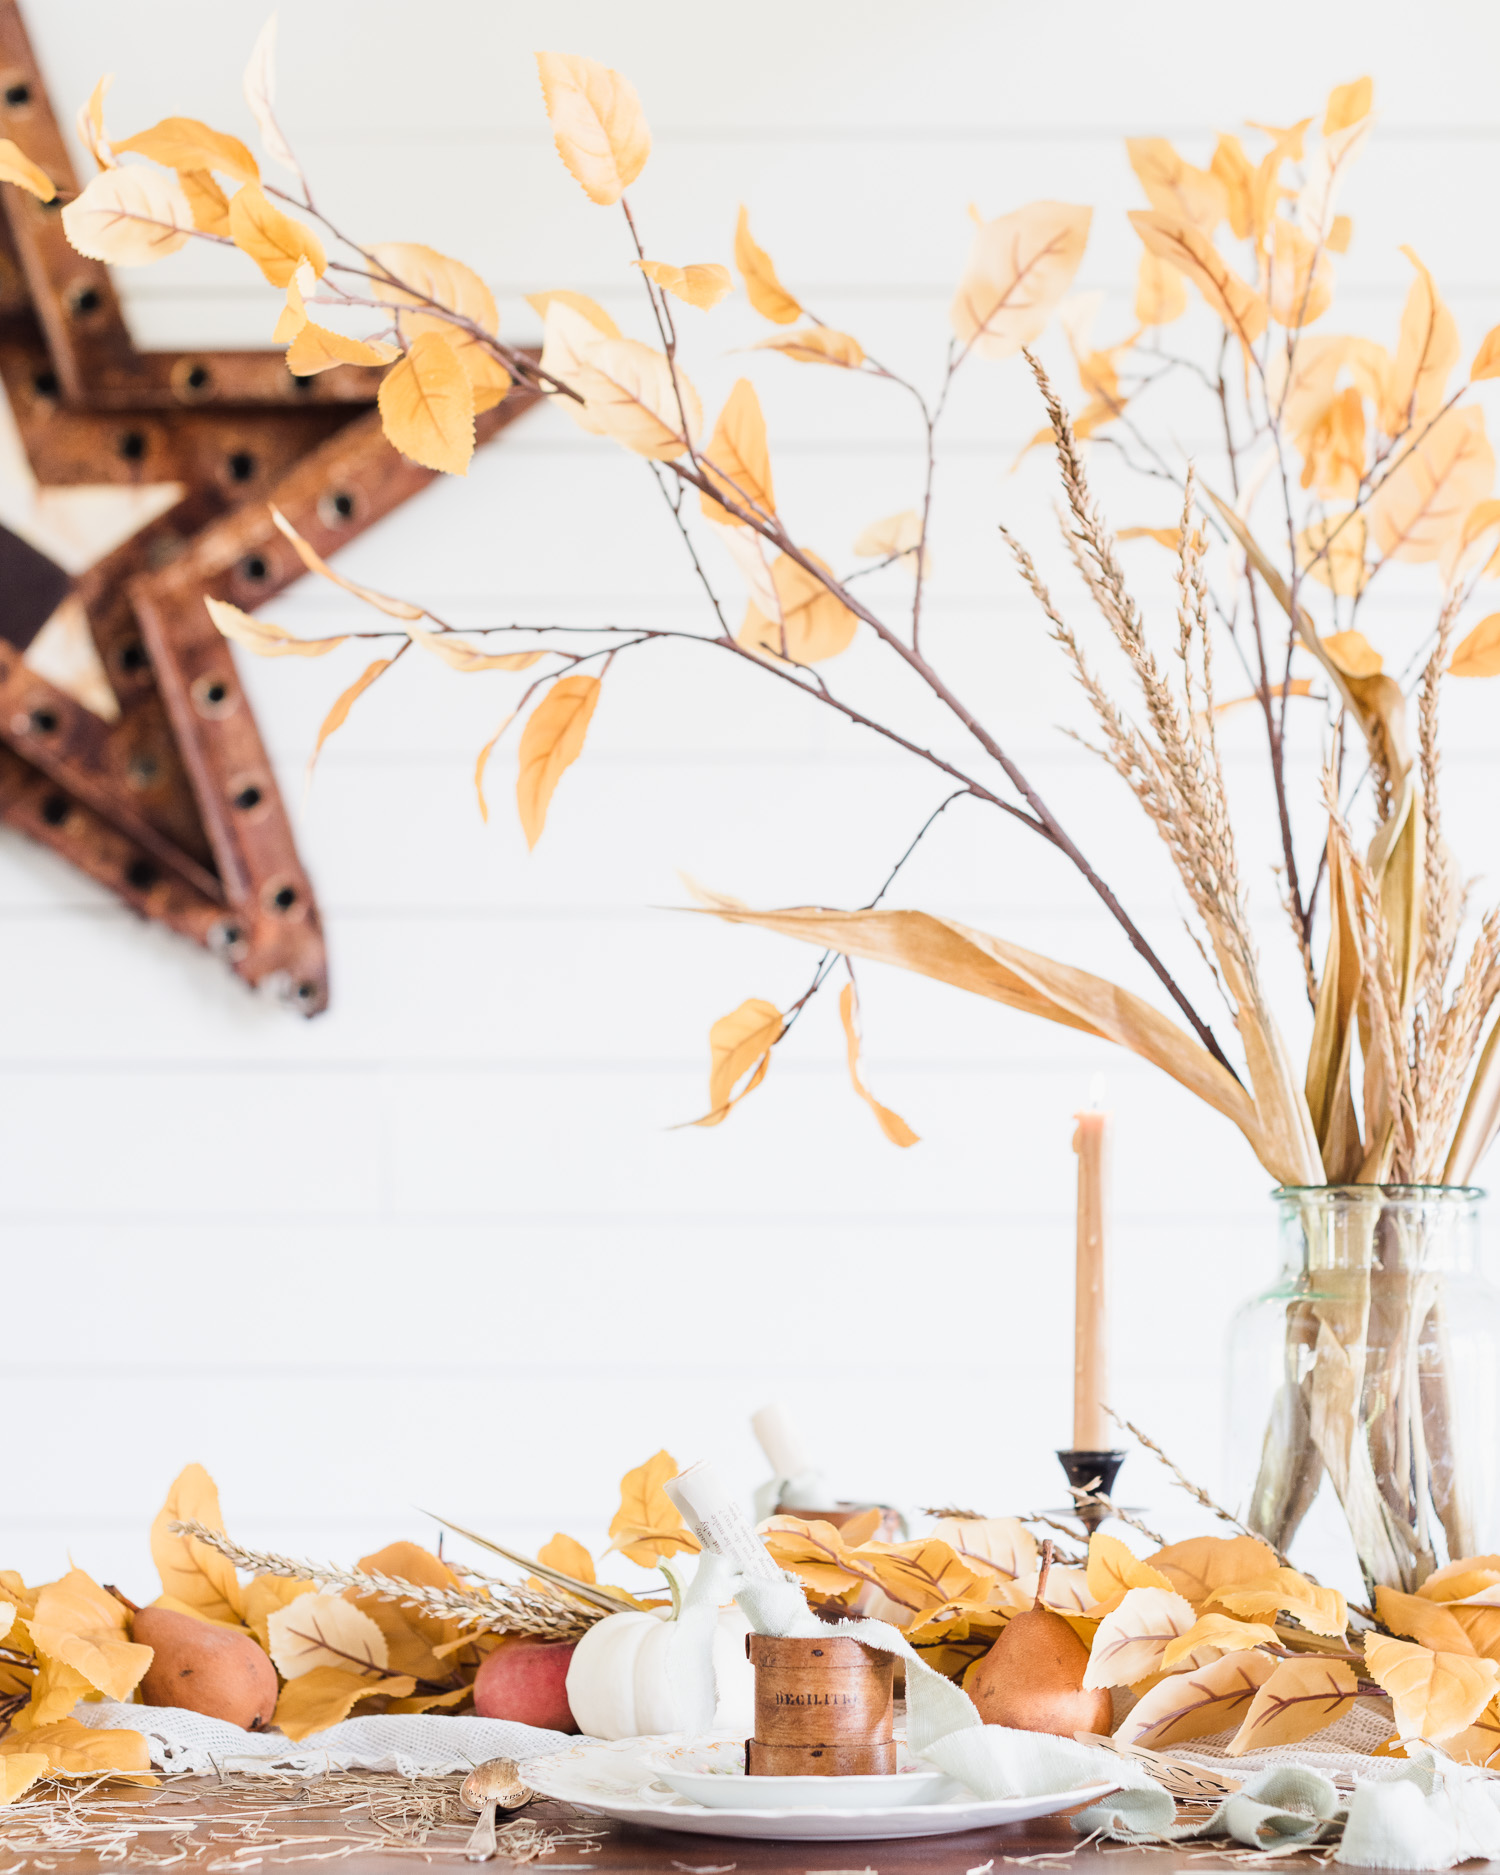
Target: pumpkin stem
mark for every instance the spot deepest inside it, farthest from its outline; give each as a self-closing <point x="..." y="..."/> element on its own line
<point x="674" y="1583"/>
<point x="1043" y="1573"/>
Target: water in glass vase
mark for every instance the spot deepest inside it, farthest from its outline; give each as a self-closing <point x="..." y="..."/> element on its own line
<point x="1371" y="1370"/>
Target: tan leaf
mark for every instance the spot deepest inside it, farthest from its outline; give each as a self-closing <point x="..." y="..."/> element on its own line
<point x="579" y="303"/>
<point x="1001" y="1545"/>
<point x="551" y="743"/>
<point x="184" y="143"/>
<point x="459" y="655"/>
<point x="427" y="406"/>
<point x="324" y="1631"/>
<point x="1301" y="1697"/>
<point x="315" y="563"/>
<point x="1019" y="268"/>
<point x="896" y="537"/>
<point x="190" y="1571"/>
<point x="1487" y="359"/>
<point x="260" y="94"/>
<point x="1467" y="1575"/>
<point x="629" y="391"/>
<point x="129" y="217"/>
<point x="324" y="1697"/>
<point x="1114" y="1569"/>
<point x="54" y="1690"/>
<point x="767" y="295"/>
<point x="1134" y="1636"/>
<point x="1476" y="543"/>
<point x="739" y="1044"/>
<point x="1478" y="654"/>
<point x="1481" y="1741"/>
<point x="814" y="624"/>
<point x="77" y="1623"/>
<point x="1286" y="1591"/>
<point x="1213" y="1636"/>
<point x="277" y="243"/>
<point x="343" y="703"/>
<point x="17" y="167"/>
<point x="1424" y="499"/>
<point x="814" y="1550"/>
<point x="568" y="336"/>
<point x="207" y="201"/>
<point x="1332" y="552"/>
<point x="1160" y="293"/>
<point x="568" y="1554"/>
<point x="18" y="1772"/>
<point x="1202" y="1564"/>
<point x="815" y="345"/>
<point x="1354" y="654"/>
<point x="318" y="348"/>
<point x="1426" y="1622"/>
<point x="738" y="460"/>
<point x="702" y="285"/>
<point x="1340" y="235"/>
<point x="1236" y="175"/>
<point x="1190" y="1705"/>
<point x="1347" y="104"/>
<point x="262" y="637"/>
<point x="1301" y="277"/>
<point x="264" y="1595"/>
<point x="891" y="1124"/>
<point x="597" y="123"/>
<point x="1426" y="352"/>
<point x="1435" y="1694"/>
<point x="429" y="278"/>
<point x="74" y="1750"/>
<point x="418" y="1643"/>
<point x="1168" y="537"/>
<point x="1174" y="187"/>
<point x="1239" y="307"/>
<point x="646" y="1510"/>
<point x="90" y="124"/>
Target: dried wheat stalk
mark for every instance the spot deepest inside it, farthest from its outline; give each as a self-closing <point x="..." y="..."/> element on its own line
<point x="505" y="1608"/>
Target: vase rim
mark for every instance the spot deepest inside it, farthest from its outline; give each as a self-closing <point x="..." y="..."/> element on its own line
<point x="1470" y="1193"/>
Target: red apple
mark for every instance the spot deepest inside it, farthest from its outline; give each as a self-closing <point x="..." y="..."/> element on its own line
<point x="527" y="1681"/>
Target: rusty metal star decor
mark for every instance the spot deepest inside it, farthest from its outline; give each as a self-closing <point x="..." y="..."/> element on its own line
<point x="126" y="743"/>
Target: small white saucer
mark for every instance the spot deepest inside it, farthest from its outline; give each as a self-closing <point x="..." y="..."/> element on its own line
<point x="712" y="1772"/>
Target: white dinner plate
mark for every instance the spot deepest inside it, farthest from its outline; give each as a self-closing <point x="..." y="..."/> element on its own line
<point x="711" y="1771"/>
<point x="615" y="1780"/>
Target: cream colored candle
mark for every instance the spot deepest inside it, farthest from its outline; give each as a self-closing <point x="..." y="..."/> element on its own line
<point x="1091" y="1141"/>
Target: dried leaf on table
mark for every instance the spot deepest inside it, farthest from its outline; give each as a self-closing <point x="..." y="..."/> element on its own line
<point x="1201" y="1564"/>
<point x="1001" y="1545"/>
<point x="324" y="1631"/>
<point x="54" y="1689"/>
<point x="1134" y="1636"/>
<point x="1114" y="1569"/>
<point x="327" y="1695"/>
<point x="191" y="1572"/>
<point x="1301" y="1697"/>
<point x="19" y="1772"/>
<point x="597" y="123"/>
<point x="1286" y="1591"/>
<point x="1478" y="1743"/>
<point x="814" y="1550"/>
<point x="263" y="1595"/>
<point x="74" y="1750"/>
<point x="85" y="1628"/>
<point x="1191" y="1705"/>
<point x="1435" y="1694"/>
<point x="1212" y="1636"/>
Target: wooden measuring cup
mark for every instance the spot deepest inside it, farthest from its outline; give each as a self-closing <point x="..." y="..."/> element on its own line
<point x="824" y="1707"/>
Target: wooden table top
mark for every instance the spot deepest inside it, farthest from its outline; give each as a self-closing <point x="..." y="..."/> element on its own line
<point x="195" y="1824"/>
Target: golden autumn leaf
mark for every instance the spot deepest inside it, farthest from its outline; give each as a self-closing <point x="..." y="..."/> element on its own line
<point x="568" y="335"/>
<point x="1353" y="653"/>
<point x="1302" y="1696"/>
<point x="812" y="1549"/>
<point x="1332" y="552"/>
<point x="1239" y="307"/>
<point x="1174" y="187"/>
<point x="1347" y="104"/>
<point x="345" y="701"/>
<point x="277" y="243"/>
<point x="207" y="201"/>
<point x="926" y="1575"/>
<point x="417" y="1643"/>
<point x="1426" y="352"/>
<point x="1160" y="292"/>
<point x="648" y="1525"/>
<point x="1301" y="277"/>
<point x="1213" y="1636"/>
<point x="767" y="295"/>
<point x="89" y="124"/>
<point x="190" y="1571"/>
<point x="1478" y="1743"/>
<point x="632" y="395"/>
<point x="74" y="1750"/>
<point x="1191" y="1705"/>
<point x="327" y="1695"/>
<point x="458" y="654"/>
<point x="739" y="1044"/>
<point x="1018" y="270"/>
<point x="85" y="1628"/>
<point x="1235" y="174"/>
<point x="737" y="459"/>
<point x="597" y="124"/>
<point x="1428" y="1623"/>
<point x="262" y="637"/>
<point x="54" y="1690"/>
<point x="427" y="406"/>
<point x="1487" y="359"/>
<point x="319" y="348"/>
<point x="580" y="303"/>
<point x="263" y="1595"/>
<point x="1455" y="1581"/>
<point x="1168" y="537"/>
<point x="814" y="624"/>
<point x="129" y="217"/>
<point x="1134" y="1636"/>
<point x="568" y="1554"/>
<point x="1001" y="1545"/>
<point x="428" y="279"/>
<point x="1114" y="1569"/>
<point x="18" y="1772"/>
<point x="17" y="167"/>
<point x="816" y="345"/>
<point x="702" y="285"/>
<point x="1478" y="654"/>
<point x="1435" y="1694"/>
<point x="891" y="1124"/>
<point x="184" y="143"/>
<point x="1477" y="544"/>
<point x="1287" y="1591"/>
<point x="1425" y="497"/>
<point x="551" y="743"/>
<point x="323" y="1631"/>
<point x="315" y="563"/>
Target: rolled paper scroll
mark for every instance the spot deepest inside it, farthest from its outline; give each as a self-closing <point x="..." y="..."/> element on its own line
<point x="719" y="1524"/>
<point x="796" y="1483"/>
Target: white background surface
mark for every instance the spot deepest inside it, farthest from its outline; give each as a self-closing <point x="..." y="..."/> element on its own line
<point x="439" y="1248"/>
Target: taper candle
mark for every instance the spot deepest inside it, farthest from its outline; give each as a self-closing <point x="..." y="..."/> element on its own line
<point x="1091" y="1142"/>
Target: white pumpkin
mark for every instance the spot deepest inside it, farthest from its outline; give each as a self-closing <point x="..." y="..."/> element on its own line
<point x="619" y="1685"/>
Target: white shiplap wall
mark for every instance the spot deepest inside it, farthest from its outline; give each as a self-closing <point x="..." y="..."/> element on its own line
<point x="439" y="1248"/>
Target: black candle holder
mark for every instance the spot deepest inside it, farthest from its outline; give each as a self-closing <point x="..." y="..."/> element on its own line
<point x="1095" y="1471"/>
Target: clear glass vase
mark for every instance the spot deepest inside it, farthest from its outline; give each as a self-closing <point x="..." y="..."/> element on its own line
<point x="1371" y="1370"/>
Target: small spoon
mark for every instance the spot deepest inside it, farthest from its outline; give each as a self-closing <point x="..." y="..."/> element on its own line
<point x="489" y="1788"/>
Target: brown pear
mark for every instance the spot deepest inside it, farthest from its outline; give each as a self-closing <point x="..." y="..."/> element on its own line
<point x="206" y="1669"/>
<point x="1032" y="1678"/>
